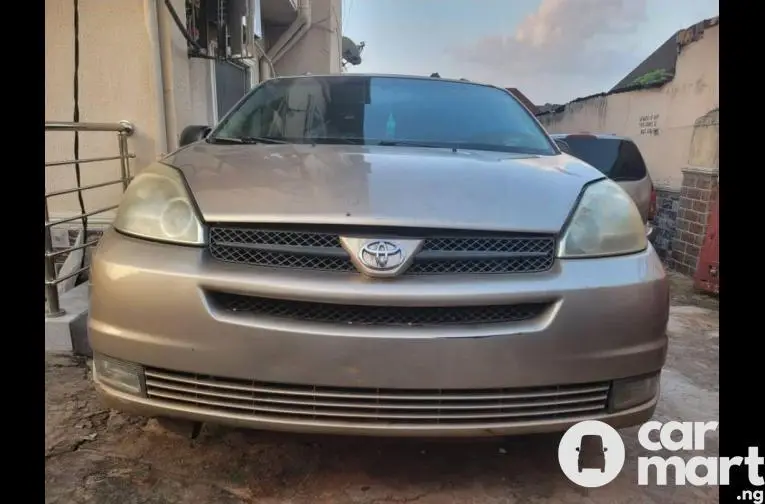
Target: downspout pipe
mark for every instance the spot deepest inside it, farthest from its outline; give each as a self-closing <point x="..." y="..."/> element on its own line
<point x="167" y="29"/>
<point x="151" y="16"/>
<point x="265" y="70"/>
<point x="294" y="33"/>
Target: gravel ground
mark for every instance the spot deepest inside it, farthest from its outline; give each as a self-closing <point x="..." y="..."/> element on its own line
<point x="99" y="456"/>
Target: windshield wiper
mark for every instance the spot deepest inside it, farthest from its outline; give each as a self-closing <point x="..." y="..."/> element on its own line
<point x="246" y="140"/>
<point x="409" y="143"/>
<point x="336" y="140"/>
<point x="457" y="146"/>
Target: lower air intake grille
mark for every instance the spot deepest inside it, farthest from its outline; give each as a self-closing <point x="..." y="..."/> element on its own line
<point x="370" y="406"/>
<point x="377" y="315"/>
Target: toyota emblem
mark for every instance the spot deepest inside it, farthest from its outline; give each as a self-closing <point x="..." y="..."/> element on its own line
<point x="381" y="255"/>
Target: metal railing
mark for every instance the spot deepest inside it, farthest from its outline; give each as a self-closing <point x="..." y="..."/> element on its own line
<point x="123" y="129"/>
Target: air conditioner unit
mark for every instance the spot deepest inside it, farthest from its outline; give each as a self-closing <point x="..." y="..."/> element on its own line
<point x="245" y="27"/>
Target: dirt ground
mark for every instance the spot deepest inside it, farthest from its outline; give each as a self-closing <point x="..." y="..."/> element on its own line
<point x="99" y="456"/>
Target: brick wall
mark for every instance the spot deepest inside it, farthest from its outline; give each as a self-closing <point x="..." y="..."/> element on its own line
<point x="667" y="209"/>
<point x="698" y="190"/>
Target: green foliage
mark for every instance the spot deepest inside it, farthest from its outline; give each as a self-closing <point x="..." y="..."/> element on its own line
<point x="658" y="76"/>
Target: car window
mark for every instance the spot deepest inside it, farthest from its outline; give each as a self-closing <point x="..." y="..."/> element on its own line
<point x="616" y="158"/>
<point x="631" y="165"/>
<point x="370" y="110"/>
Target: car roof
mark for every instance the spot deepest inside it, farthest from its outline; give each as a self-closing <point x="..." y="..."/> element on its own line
<point x="395" y="76"/>
<point x="600" y="136"/>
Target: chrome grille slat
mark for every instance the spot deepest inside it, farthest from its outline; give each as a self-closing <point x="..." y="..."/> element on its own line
<point x="270" y="401"/>
<point x="331" y="392"/>
<point x="440" y="255"/>
<point x="403" y="405"/>
<point x="375" y="394"/>
<point x="315" y="412"/>
<point x="366" y="315"/>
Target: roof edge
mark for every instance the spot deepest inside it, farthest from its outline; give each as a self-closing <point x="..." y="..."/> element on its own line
<point x="683" y="38"/>
<point x="625" y="89"/>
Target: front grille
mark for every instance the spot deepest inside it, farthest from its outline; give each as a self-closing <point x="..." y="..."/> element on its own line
<point x="273" y="248"/>
<point x="440" y="255"/>
<point x="376" y="315"/>
<point x="369" y="406"/>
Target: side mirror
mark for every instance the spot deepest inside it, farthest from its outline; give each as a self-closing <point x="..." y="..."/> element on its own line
<point x="191" y="134"/>
<point x="563" y="146"/>
<point x="577" y="448"/>
<point x="605" y="449"/>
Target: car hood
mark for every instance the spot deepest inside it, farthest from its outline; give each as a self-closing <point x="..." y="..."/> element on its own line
<point x="383" y="186"/>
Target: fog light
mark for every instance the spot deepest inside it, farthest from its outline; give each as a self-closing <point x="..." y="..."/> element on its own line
<point x="117" y="374"/>
<point x="633" y="391"/>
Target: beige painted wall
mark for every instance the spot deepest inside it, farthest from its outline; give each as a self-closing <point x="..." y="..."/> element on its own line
<point x="115" y="84"/>
<point x="705" y="145"/>
<point x="319" y="51"/>
<point x="673" y="109"/>
<point x="116" y="76"/>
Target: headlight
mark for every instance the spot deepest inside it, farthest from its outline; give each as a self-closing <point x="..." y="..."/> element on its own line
<point x="157" y="206"/>
<point x="606" y="222"/>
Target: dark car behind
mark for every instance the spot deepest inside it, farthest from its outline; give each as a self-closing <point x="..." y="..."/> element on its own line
<point x="619" y="159"/>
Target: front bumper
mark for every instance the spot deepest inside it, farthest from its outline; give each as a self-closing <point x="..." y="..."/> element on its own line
<point x="607" y="321"/>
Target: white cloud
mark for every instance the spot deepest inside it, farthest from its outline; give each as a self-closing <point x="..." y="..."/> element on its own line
<point x="564" y="42"/>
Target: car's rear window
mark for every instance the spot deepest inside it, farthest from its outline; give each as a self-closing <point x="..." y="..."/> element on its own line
<point x="616" y="158"/>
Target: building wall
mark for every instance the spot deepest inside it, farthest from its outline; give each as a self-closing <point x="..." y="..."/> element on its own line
<point x="188" y="89"/>
<point x="660" y="120"/>
<point x="117" y="82"/>
<point x="320" y="50"/>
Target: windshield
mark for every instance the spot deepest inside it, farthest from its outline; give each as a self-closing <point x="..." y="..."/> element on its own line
<point x="385" y="111"/>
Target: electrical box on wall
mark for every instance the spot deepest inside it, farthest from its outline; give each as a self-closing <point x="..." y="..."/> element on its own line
<point x="236" y="22"/>
<point x="224" y="28"/>
<point x="245" y="27"/>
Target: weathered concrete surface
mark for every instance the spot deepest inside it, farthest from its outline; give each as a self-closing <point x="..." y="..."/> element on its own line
<point x="97" y="456"/>
<point x="68" y="332"/>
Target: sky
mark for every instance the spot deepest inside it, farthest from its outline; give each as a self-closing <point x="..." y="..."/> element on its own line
<point x="552" y="50"/>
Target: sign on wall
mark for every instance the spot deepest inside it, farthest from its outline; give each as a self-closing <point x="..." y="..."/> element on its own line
<point x="649" y="124"/>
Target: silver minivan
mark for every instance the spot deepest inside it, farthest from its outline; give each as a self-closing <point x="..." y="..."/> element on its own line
<point x="619" y="159"/>
<point x="378" y="255"/>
